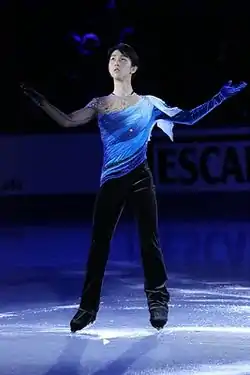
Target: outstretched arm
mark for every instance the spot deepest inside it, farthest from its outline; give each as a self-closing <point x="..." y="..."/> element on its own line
<point x="73" y="119"/>
<point x="77" y="118"/>
<point x="190" y="117"/>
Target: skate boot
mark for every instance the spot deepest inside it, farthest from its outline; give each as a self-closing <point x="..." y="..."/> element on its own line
<point x="158" y="299"/>
<point x="82" y="319"/>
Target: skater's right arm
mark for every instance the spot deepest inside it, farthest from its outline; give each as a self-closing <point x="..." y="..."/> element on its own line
<point x="80" y="117"/>
<point x="77" y="118"/>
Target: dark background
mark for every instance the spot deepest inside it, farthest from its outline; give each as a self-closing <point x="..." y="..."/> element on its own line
<point x="188" y="50"/>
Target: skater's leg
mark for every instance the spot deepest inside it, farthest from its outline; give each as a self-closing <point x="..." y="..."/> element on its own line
<point x="108" y="208"/>
<point x="145" y="207"/>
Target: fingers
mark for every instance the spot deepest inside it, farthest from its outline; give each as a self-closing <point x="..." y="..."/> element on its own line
<point x="25" y="89"/>
<point x="27" y="92"/>
<point x="230" y="83"/>
<point x="235" y="87"/>
<point x="23" y="86"/>
<point x="30" y="92"/>
<point x="241" y="86"/>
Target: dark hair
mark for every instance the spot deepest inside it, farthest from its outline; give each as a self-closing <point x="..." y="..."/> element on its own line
<point x="127" y="51"/>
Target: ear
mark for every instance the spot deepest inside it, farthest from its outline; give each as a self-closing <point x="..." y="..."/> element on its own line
<point x="134" y="69"/>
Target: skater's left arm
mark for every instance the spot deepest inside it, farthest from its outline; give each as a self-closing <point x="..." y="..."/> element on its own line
<point x="190" y="117"/>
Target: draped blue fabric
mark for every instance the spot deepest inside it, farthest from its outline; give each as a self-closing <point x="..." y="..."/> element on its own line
<point x="125" y="133"/>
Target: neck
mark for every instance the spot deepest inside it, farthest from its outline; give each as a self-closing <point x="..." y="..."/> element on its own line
<point x="122" y="88"/>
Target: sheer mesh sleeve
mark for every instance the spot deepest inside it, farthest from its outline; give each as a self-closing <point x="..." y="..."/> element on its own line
<point x="85" y="114"/>
<point x="93" y="104"/>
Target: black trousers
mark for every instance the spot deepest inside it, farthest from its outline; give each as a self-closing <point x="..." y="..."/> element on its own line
<point x="137" y="187"/>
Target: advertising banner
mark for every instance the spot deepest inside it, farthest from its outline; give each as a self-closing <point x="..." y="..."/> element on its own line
<point x="71" y="163"/>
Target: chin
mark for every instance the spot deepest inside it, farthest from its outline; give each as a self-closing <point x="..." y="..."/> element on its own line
<point x="117" y="76"/>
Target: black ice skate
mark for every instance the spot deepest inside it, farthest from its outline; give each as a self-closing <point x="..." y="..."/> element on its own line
<point x="82" y="319"/>
<point x="158" y="306"/>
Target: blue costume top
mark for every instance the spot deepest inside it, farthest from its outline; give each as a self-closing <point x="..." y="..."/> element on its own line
<point x="125" y="133"/>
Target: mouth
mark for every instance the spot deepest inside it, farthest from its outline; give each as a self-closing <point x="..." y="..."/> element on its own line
<point x="116" y="70"/>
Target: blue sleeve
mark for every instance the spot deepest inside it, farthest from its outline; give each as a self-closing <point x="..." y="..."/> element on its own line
<point x="190" y="117"/>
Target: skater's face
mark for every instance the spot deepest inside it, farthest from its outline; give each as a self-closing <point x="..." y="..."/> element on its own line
<point x="120" y="66"/>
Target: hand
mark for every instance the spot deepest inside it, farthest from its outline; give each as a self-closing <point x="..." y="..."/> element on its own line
<point x="35" y="96"/>
<point x="229" y="89"/>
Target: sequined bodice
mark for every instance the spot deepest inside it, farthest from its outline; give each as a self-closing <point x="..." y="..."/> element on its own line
<point x="112" y="103"/>
<point x="124" y="133"/>
<point x="125" y="126"/>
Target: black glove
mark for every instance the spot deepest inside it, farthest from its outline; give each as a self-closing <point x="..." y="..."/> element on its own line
<point x="35" y="96"/>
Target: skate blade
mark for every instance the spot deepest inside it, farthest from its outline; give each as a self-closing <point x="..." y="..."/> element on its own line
<point x="159" y="325"/>
<point x="76" y="328"/>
